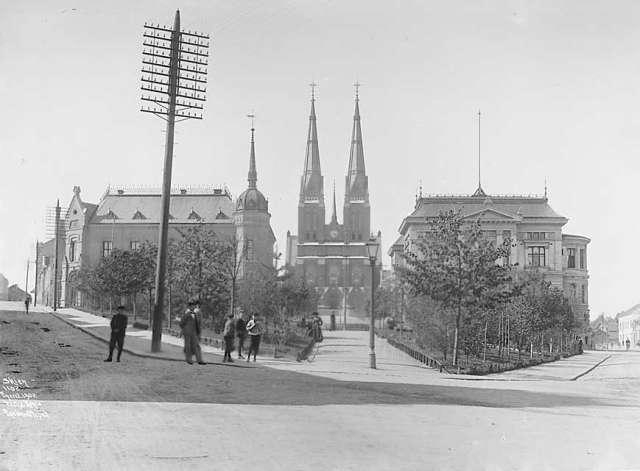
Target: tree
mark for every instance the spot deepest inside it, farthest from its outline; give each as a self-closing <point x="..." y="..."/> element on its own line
<point x="431" y="323"/>
<point x="232" y="251"/>
<point x="459" y="268"/>
<point x="121" y="273"/>
<point x="537" y="310"/>
<point x="198" y="270"/>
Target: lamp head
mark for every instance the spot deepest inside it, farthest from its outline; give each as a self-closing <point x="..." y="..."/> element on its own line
<point x="372" y="249"/>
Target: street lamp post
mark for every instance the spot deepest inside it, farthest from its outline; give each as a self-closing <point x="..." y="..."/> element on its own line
<point x="346" y="267"/>
<point x="372" y="252"/>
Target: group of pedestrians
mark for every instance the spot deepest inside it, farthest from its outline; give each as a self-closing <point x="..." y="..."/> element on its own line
<point x="233" y="327"/>
<point x="191" y="330"/>
<point x="238" y="327"/>
<point x="313" y="326"/>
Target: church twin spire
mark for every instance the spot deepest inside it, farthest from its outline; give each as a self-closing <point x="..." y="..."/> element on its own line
<point x="312" y="185"/>
<point x="357" y="182"/>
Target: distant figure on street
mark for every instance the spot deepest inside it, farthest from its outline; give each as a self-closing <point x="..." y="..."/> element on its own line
<point x="316" y="327"/>
<point x="27" y="302"/>
<point x="118" y="330"/>
<point x="254" y="328"/>
<point x="627" y="344"/>
<point x="580" y="349"/>
<point x="228" y="334"/>
<point x="190" y="325"/>
<point x="241" y="332"/>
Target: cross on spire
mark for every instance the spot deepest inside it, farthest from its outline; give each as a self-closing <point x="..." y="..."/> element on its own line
<point x="253" y="174"/>
<point x="313" y="86"/>
<point x="252" y="117"/>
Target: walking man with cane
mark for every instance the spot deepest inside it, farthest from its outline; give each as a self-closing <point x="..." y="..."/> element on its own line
<point x="190" y="325"/>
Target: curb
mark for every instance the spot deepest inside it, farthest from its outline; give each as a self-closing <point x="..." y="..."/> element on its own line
<point x="591" y="369"/>
<point x="135" y="353"/>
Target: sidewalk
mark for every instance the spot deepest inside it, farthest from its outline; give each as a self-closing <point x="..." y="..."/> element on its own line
<point x="137" y="342"/>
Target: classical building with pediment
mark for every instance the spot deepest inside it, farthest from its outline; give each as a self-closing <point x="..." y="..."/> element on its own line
<point x="126" y="217"/>
<point x="529" y="221"/>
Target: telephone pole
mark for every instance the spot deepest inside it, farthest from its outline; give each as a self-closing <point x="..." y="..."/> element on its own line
<point x="35" y="288"/>
<point x="55" y="257"/>
<point x="174" y="73"/>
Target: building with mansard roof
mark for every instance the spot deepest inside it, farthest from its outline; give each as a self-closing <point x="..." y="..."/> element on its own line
<point x="529" y="221"/>
<point x="332" y="257"/>
<point x="125" y="218"/>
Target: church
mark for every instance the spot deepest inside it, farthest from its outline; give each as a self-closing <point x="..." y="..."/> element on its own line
<point x="332" y="257"/>
<point x="126" y="217"/>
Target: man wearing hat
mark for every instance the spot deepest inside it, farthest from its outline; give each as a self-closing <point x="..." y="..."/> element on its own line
<point x="190" y="325"/>
<point x="118" y="329"/>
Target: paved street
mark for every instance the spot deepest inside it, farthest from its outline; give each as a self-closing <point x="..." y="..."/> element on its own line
<point x="330" y="413"/>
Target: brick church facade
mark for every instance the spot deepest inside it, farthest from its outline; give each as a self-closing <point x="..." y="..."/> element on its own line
<point x="332" y="257"/>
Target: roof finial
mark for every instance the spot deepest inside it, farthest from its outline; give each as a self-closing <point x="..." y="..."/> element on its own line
<point x="479" y="161"/>
<point x="357" y="86"/>
<point x="252" y="117"/>
<point x="545" y="187"/>
<point x="313" y="86"/>
<point x="479" y="191"/>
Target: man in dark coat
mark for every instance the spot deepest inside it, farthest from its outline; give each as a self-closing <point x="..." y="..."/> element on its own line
<point x="190" y="325"/>
<point x="118" y="330"/>
<point x="228" y="334"/>
<point x="241" y="332"/>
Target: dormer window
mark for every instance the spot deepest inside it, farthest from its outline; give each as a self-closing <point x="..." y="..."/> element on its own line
<point x="111" y="215"/>
<point x="221" y="215"/>
<point x="194" y="215"/>
<point x="139" y="215"/>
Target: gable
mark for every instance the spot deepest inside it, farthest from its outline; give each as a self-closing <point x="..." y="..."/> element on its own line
<point x="491" y="214"/>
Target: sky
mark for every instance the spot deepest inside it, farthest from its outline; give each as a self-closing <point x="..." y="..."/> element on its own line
<point x="557" y="84"/>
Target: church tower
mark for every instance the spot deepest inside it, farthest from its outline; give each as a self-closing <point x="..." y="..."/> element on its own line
<point x="357" y="212"/>
<point x="252" y="220"/>
<point x="311" y="211"/>
<point x="332" y="257"/>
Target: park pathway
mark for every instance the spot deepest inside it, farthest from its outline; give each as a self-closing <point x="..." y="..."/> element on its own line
<point x="343" y="355"/>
